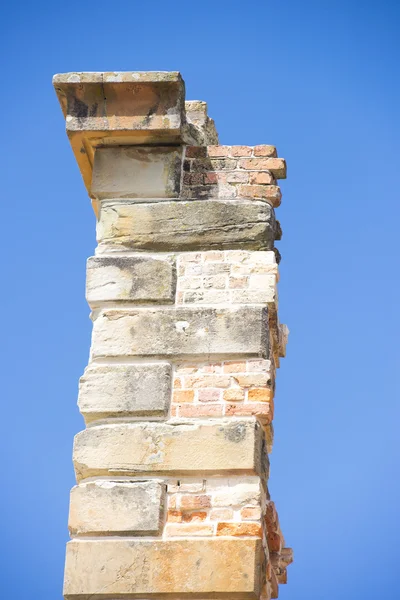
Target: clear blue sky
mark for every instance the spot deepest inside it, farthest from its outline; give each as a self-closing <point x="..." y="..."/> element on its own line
<point x="318" y="79"/>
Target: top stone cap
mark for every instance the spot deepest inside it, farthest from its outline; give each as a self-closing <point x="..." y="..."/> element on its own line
<point x="120" y="108"/>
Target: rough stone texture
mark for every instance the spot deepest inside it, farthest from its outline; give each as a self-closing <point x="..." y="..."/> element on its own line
<point x="116" y="508"/>
<point x="97" y="570"/>
<point x="172" y="447"/>
<point x="200" y="126"/>
<point x="137" y="172"/>
<point x="140" y="279"/>
<point x="184" y="225"/>
<point x="124" y="390"/>
<point x="181" y="332"/>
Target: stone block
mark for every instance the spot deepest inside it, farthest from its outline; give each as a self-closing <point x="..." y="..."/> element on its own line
<point x="109" y="569"/>
<point x="142" y="172"/>
<point x="181" y="332"/>
<point x="175" y="447"/>
<point x="116" y="508"/>
<point x="141" y="279"/>
<point x="186" y="225"/>
<point x="125" y="391"/>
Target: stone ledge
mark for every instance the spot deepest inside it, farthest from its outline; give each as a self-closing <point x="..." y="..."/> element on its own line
<point x="115" y="108"/>
<point x="109" y="569"/>
<point x="182" y="332"/>
<point x="125" y="391"/>
<point x="116" y="508"/>
<point x="186" y="225"/>
<point x="141" y="279"/>
<point x="174" y="447"/>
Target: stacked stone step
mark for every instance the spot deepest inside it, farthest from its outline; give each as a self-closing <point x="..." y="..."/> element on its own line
<point x="172" y="468"/>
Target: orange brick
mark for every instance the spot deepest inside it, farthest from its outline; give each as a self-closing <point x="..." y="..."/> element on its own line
<point x="218" y="150"/>
<point x="202" y="410"/>
<point x="260" y="409"/>
<point x="177" y="382"/>
<point x="264" y="150"/>
<point x="267" y="192"/>
<point x="180" y="396"/>
<point x="239" y="529"/>
<point x="224" y="514"/>
<point x="260" y="395"/>
<point x="173" y="411"/>
<point x="234" y="367"/>
<point x="189" y="529"/>
<point x="194" y="502"/>
<point x="250" y="513"/>
<point x="174" y="516"/>
<point x="234" y="395"/>
<point x="277" y="166"/>
<point x="241" y="151"/>
<point x="194" y="516"/>
<point x="261" y="177"/>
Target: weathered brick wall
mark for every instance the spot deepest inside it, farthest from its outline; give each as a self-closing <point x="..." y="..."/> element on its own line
<point x="178" y="397"/>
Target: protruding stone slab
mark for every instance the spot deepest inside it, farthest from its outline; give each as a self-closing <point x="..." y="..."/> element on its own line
<point x="104" y="109"/>
<point x="141" y="279"/>
<point x="108" y="569"/>
<point x="137" y="172"/>
<point x="186" y="225"/>
<point x="181" y="332"/>
<point x="181" y="447"/>
<point x="116" y="508"/>
<point x="125" y="391"/>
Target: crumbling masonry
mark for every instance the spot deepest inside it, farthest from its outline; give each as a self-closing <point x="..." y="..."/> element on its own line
<point x="172" y="469"/>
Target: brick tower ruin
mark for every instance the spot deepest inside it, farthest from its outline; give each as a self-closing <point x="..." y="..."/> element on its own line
<point x="172" y="468"/>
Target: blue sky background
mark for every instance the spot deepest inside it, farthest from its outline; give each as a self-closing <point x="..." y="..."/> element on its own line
<point x="321" y="81"/>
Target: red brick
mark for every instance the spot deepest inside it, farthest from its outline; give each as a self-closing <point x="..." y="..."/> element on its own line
<point x="202" y="410"/>
<point x="218" y="150"/>
<point x="264" y="150"/>
<point x="261" y="178"/>
<point x="194" y="502"/>
<point x="250" y="513"/>
<point x="241" y="151"/>
<point x="209" y="395"/>
<point x="210" y="178"/>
